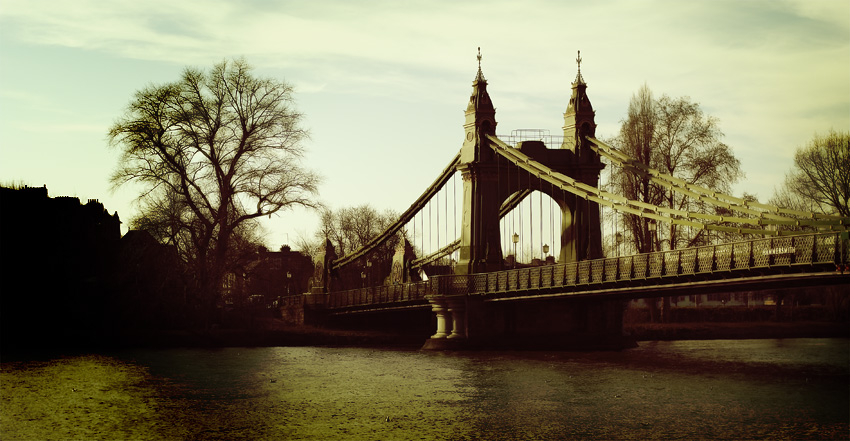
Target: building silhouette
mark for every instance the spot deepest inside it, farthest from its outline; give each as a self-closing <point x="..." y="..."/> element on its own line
<point x="57" y="258"/>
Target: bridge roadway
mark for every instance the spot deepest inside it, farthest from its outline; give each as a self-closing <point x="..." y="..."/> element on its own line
<point x="764" y="263"/>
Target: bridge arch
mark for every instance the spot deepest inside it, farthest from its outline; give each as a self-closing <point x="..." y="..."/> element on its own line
<point x="537" y="222"/>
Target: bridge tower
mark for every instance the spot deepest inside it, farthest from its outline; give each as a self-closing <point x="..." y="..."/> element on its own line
<point x="480" y="246"/>
<point x="485" y="189"/>
<point x="581" y="231"/>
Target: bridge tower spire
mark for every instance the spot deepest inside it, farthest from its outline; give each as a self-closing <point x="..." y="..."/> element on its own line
<point x="579" y="118"/>
<point x="480" y="247"/>
<point x="480" y="119"/>
<point x="581" y="236"/>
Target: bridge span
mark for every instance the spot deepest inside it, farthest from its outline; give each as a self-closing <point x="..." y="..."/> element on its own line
<point x="489" y="290"/>
<point x="475" y="307"/>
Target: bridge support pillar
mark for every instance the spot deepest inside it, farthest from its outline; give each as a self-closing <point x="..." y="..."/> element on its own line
<point x="457" y="308"/>
<point x="451" y="324"/>
<point x="444" y="321"/>
<point x="471" y="322"/>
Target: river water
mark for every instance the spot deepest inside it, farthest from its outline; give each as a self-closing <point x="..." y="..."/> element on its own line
<point x="717" y="389"/>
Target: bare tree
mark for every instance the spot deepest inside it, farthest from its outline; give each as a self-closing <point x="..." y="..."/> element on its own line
<point x="213" y="151"/>
<point x="351" y="228"/>
<point x="636" y="138"/>
<point x="674" y="136"/>
<point x="820" y="179"/>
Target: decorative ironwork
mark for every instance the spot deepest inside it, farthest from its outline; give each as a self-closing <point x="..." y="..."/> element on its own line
<point x="723" y="257"/>
<point x="625" y="268"/>
<point x="640" y="262"/>
<point x="534" y="277"/>
<point x="513" y="280"/>
<point x="825" y="249"/>
<point x="742" y="254"/>
<point x="761" y="253"/>
<point x="705" y="256"/>
<point x="656" y="264"/>
<point x="688" y="260"/>
<point x="571" y="271"/>
<point x="558" y="275"/>
<point x="597" y="267"/>
<point x="804" y="249"/>
<point x="546" y="276"/>
<point x="584" y="272"/>
<point x="611" y="269"/>
<point x="671" y="263"/>
<point x="782" y="249"/>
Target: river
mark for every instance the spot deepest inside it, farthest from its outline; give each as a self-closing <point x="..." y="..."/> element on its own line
<point x="716" y="389"/>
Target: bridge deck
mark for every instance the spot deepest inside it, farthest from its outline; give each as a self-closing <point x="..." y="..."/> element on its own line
<point x="754" y="264"/>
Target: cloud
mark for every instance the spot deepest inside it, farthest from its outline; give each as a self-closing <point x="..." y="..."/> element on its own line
<point x="773" y="71"/>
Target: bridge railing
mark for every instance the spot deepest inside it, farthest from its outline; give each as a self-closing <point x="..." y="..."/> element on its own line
<point x="825" y="250"/>
<point x="398" y="293"/>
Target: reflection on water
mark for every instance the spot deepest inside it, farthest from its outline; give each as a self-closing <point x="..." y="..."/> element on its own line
<point x="692" y="389"/>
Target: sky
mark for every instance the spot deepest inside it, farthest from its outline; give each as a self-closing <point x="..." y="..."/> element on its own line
<point x="383" y="84"/>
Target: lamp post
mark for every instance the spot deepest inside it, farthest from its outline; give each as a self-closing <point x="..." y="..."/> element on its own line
<point x="545" y="252"/>
<point x="288" y="281"/>
<point x="515" y="239"/>
<point x="651" y="225"/>
<point x="368" y="273"/>
<point x="618" y="238"/>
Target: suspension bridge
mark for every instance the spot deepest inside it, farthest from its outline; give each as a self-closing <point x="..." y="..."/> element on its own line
<point x="507" y="243"/>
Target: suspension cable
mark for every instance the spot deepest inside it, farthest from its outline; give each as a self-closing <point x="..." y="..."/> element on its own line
<point x="620" y="203"/>
<point x="709" y="196"/>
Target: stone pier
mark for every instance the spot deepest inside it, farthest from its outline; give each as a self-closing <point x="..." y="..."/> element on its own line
<point x="471" y="322"/>
<point x="450" y="313"/>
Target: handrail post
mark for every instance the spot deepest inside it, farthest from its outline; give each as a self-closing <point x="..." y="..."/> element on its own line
<point x="732" y="257"/>
<point x="814" y="249"/>
<point x="679" y="262"/>
<point x="752" y="259"/>
<point x="714" y="258"/>
<point x="663" y="257"/>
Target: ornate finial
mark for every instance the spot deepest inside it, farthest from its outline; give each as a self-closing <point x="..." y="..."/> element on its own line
<point x="479" y="76"/>
<point x="579" y="79"/>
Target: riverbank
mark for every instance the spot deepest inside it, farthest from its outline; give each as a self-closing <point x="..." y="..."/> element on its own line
<point x="273" y="332"/>
<point x="736" y="330"/>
